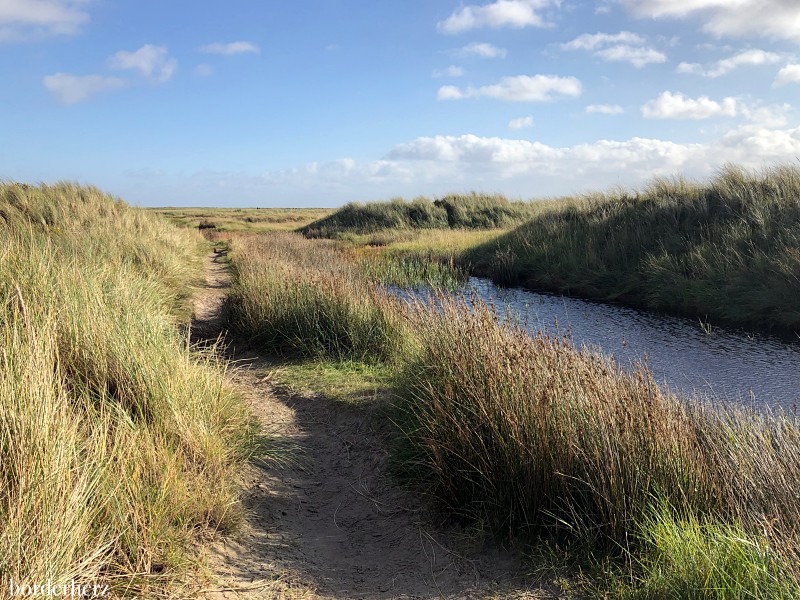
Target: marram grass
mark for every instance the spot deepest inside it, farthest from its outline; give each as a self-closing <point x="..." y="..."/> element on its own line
<point x="117" y="442"/>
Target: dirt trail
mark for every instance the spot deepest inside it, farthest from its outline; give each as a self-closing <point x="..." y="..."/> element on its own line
<point x="331" y="524"/>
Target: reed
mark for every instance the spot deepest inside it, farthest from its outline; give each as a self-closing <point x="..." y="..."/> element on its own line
<point x="118" y="443"/>
<point x="531" y="436"/>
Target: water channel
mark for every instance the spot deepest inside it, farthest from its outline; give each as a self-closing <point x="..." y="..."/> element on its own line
<point x="683" y="354"/>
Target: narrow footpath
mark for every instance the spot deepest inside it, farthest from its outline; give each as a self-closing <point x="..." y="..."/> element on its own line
<point x="328" y="522"/>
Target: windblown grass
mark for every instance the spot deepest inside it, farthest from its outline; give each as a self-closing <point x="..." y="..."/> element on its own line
<point x="117" y="442"/>
<point x="725" y="250"/>
<point x="297" y="297"/>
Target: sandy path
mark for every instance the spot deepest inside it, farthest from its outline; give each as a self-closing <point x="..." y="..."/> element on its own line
<point x="331" y="524"/>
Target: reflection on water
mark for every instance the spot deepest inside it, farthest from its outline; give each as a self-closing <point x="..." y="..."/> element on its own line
<point x="725" y="363"/>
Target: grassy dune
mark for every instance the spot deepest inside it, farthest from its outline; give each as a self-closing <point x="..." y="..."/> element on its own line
<point x="469" y="211"/>
<point x="728" y="249"/>
<point x="117" y="442"/>
<point x="534" y="439"/>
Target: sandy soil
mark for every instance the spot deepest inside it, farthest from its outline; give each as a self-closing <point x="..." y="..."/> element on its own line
<point x="330" y="523"/>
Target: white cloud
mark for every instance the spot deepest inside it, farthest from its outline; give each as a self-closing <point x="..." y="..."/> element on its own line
<point x="71" y="89"/>
<point x="151" y="61"/>
<point x="501" y="13"/>
<point x="451" y="71"/>
<point x="441" y="164"/>
<point x="690" y="69"/>
<point x="592" y="41"/>
<point x="680" y="106"/>
<point x="624" y="46"/>
<point x="788" y="74"/>
<point x="753" y="57"/>
<point x="776" y="115"/>
<point x="605" y="109"/>
<point x="449" y="92"/>
<point x="22" y="20"/>
<point x="521" y="123"/>
<point x="737" y="18"/>
<point x="483" y="50"/>
<point x="522" y="88"/>
<point x="638" y="57"/>
<point x="231" y="48"/>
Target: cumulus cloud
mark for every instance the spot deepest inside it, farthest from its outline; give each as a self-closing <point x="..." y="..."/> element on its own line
<point x="151" y="61"/>
<point x="788" y="74"/>
<point x="604" y="109"/>
<point x="231" y="48"/>
<point x="23" y="20"/>
<point x="521" y="123"/>
<point x="501" y="13"/>
<point x="522" y="88"/>
<point x="482" y="49"/>
<point x="593" y="41"/>
<point x="753" y="57"/>
<point x="775" y="115"/>
<point x="71" y="89"/>
<point x="679" y="106"/>
<point x="441" y="164"/>
<point x="735" y="18"/>
<point x="638" y="57"/>
<point x="451" y="71"/>
<point x="624" y="46"/>
<point x="449" y="92"/>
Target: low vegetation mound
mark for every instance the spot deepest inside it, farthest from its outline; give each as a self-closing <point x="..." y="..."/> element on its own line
<point x="470" y="211"/>
<point x="117" y="442"/>
<point x="728" y="249"/>
<point x="299" y="297"/>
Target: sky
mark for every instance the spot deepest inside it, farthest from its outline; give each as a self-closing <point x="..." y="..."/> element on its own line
<point x="319" y="103"/>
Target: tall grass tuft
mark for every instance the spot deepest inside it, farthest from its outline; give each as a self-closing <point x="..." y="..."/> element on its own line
<point x="117" y="441"/>
<point x="299" y="297"/>
<point x="527" y="433"/>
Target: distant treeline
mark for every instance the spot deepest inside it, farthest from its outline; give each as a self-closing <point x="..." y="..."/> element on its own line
<point x="468" y="211"/>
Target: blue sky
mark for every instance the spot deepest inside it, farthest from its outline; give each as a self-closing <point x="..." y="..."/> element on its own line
<point x="253" y="103"/>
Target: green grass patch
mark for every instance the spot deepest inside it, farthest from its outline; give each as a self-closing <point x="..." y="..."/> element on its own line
<point x="348" y="382"/>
